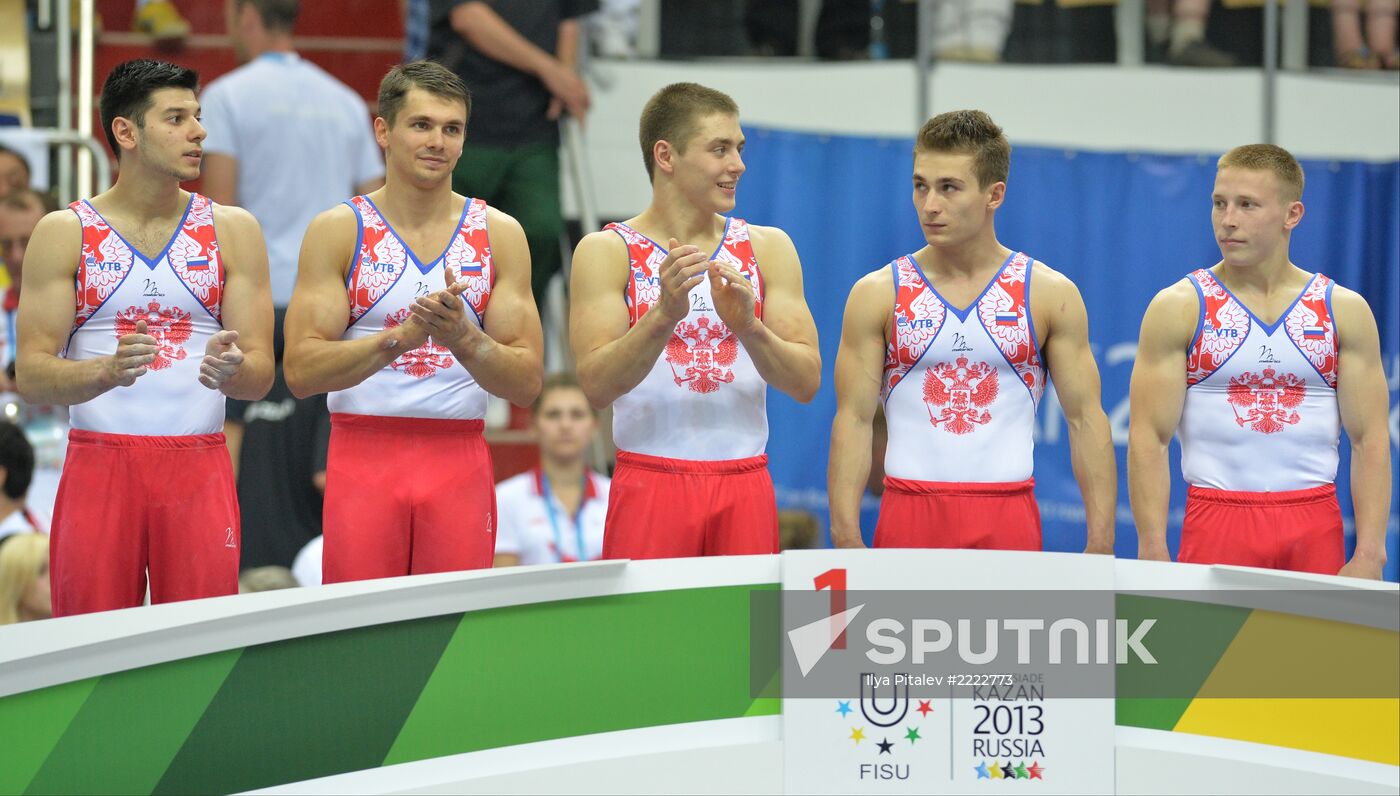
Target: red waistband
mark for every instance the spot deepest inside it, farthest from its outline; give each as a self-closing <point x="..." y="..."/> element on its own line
<point x="408" y="425"/>
<point x="957" y="489"/>
<point x="80" y="436"/>
<point x="659" y="464"/>
<point x="1296" y="497"/>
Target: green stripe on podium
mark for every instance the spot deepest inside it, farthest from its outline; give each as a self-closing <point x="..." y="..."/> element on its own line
<point x="31" y="724"/>
<point x="554" y="670"/>
<point x="1188" y="641"/>
<point x="131" y="726"/>
<point x="309" y="707"/>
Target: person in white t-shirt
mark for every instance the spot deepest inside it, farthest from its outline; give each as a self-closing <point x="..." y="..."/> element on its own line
<point x="306" y="568"/>
<point x="286" y="139"/>
<point x="555" y="512"/>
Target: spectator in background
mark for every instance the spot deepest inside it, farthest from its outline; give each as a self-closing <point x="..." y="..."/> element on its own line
<point x="554" y="513"/>
<point x="518" y="58"/>
<point x="269" y="578"/>
<point x="971" y="30"/>
<point x="306" y="568"/>
<point x="14" y="170"/>
<point x="16" y="473"/>
<point x="415" y="29"/>
<point x="160" y="20"/>
<point x="286" y="141"/>
<point x="613" y="29"/>
<point x="1176" y="33"/>
<point x="797" y="529"/>
<point x="281" y="475"/>
<point x="843" y="29"/>
<point x="20" y="211"/>
<point x="24" y="579"/>
<point x="1375" y="50"/>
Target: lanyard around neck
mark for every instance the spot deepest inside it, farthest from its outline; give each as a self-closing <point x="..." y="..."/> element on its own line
<point x="548" y="497"/>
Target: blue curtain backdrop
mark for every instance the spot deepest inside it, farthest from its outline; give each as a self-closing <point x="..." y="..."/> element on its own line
<point x="1122" y="226"/>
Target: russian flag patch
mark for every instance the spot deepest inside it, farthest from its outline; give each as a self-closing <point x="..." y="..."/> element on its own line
<point x="1314" y="332"/>
<point x="1007" y="319"/>
<point x="197" y="264"/>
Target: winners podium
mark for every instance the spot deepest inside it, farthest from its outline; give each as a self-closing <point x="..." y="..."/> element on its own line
<point x="812" y="671"/>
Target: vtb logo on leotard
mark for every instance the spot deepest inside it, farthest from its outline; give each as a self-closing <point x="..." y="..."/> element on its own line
<point x="960" y="389"/>
<point x="170" y="327"/>
<point x="425" y="360"/>
<point x="701" y="354"/>
<point x="1268" y="400"/>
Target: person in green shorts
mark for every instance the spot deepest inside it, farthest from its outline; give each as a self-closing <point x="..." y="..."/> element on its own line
<point x="518" y="57"/>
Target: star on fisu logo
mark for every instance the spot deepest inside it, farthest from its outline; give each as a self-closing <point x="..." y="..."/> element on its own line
<point x="857" y="734"/>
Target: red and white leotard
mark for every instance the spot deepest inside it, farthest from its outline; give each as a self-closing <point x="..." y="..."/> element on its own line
<point x="1261" y="401"/>
<point x="384" y="280"/>
<point x="179" y="295"/>
<point x="961" y="387"/>
<point x="703" y="399"/>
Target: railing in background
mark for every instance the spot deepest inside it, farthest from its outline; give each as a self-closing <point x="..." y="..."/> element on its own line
<point x="923" y="60"/>
<point x="73" y="180"/>
<point x="62" y="15"/>
<point x="86" y="34"/>
<point x="90" y="152"/>
<point x="1269" y="120"/>
<point x="1130" y="20"/>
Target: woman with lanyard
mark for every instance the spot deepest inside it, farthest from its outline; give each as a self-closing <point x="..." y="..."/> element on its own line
<point x="555" y="512"/>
